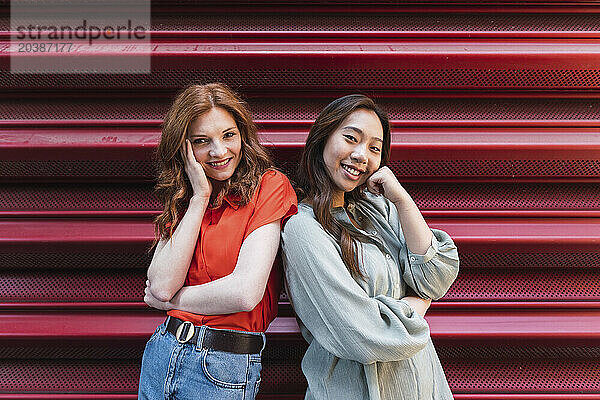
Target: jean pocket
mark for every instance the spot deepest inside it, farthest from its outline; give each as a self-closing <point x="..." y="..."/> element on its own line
<point x="224" y="369"/>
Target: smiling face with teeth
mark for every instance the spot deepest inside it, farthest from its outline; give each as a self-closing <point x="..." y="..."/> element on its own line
<point x="353" y="152"/>
<point x="217" y="143"/>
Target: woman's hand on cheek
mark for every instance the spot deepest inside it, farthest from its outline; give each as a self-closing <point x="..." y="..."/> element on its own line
<point x="200" y="183"/>
<point x="384" y="182"/>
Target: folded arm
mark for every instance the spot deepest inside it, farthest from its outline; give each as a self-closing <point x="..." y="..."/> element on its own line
<point x="431" y="274"/>
<point x="340" y="315"/>
<point x="239" y="291"/>
<point x="430" y="262"/>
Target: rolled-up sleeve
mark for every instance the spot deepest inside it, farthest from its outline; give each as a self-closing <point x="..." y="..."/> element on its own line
<point x="336" y="310"/>
<point x="430" y="275"/>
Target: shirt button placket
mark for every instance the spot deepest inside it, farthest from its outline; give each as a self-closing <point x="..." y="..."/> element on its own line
<point x="391" y="265"/>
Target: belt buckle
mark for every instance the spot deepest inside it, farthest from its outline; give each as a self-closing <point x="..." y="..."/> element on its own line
<point x="179" y="331"/>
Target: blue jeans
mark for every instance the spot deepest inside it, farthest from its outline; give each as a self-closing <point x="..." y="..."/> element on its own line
<point x="171" y="370"/>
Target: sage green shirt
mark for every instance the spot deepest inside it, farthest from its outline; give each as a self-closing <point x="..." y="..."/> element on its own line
<point x="364" y="341"/>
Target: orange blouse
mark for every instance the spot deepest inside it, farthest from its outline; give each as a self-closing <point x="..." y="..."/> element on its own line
<point x="221" y="235"/>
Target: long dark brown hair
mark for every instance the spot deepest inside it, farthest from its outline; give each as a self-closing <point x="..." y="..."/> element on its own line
<point x="173" y="188"/>
<point x="316" y="186"/>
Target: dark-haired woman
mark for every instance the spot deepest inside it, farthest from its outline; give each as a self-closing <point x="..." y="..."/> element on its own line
<point x="362" y="266"/>
<point x="217" y="239"/>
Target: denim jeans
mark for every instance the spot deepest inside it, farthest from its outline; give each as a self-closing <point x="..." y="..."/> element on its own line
<point x="171" y="370"/>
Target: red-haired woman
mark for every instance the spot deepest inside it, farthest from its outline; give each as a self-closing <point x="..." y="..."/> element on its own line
<point x="362" y="266"/>
<point x="217" y="239"/>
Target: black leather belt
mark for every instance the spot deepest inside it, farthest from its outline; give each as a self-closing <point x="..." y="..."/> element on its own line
<point x="216" y="339"/>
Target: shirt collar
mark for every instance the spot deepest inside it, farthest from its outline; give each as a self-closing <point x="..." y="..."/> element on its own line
<point x="232" y="201"/>
<point x="341" y="215"/>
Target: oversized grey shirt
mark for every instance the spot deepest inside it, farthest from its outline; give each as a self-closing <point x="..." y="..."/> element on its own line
<point x="364" y="341"/>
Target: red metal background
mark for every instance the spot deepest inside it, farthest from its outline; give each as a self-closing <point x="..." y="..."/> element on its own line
<point x="495" y="109"/>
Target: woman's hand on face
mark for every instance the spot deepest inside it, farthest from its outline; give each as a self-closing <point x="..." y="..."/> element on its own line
<point x="384" y="182"/>
<point x="153" y="301"/>
<point x="200" y="183"/>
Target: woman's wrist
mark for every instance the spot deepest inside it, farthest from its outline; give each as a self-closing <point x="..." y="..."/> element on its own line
<point x="198" y="203"/>
<point x="418" y="304"/>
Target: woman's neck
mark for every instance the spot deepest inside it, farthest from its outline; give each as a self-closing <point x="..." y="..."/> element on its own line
<point x="337" y="199"/>
<point x="216" y="186"/>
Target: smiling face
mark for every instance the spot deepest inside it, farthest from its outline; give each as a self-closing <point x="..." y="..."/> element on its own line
<point x="353" y="152"/>
<point x="217" y="143"/>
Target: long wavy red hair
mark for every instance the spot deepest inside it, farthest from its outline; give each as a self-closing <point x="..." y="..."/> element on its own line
<point x="173" y="188"/>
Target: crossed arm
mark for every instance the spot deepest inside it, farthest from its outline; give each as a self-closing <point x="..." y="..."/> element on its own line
<point x="239" y="291"/>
